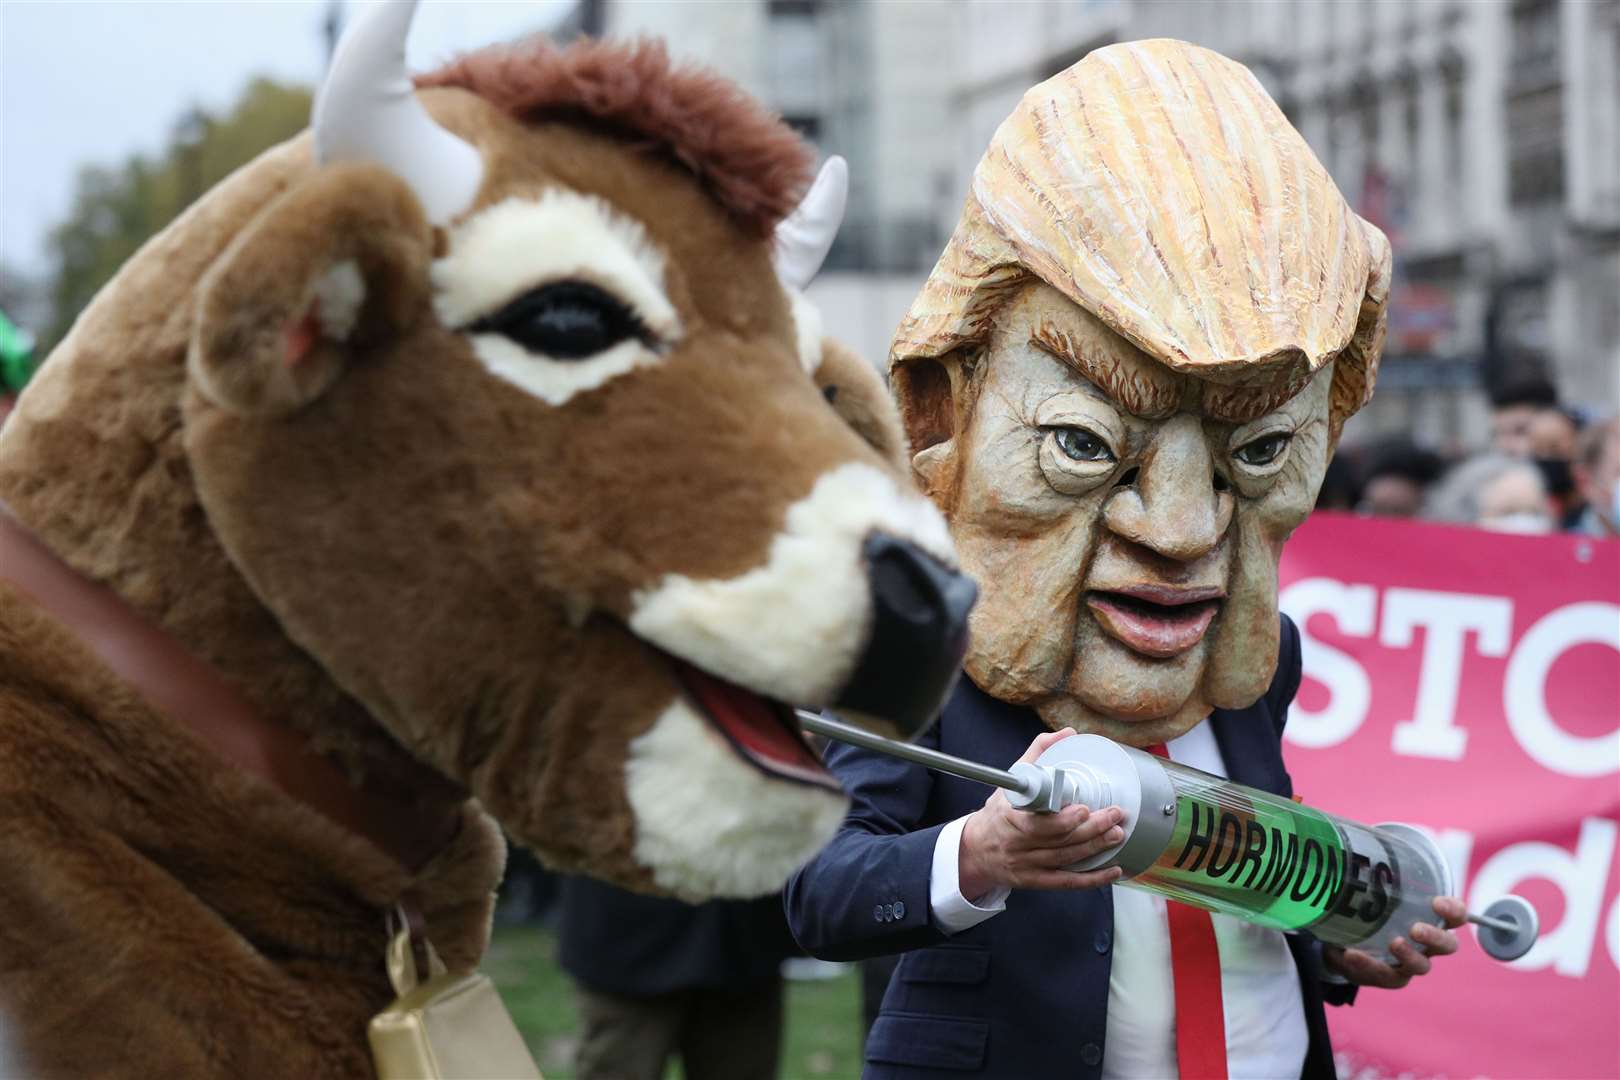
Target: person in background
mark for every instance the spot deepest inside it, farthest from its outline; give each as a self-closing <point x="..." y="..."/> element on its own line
<point x="1553" y="435"/>
<point x="1493" y="491"/>
<point x="659" y="978"/>
<point x="1515" y="405"/>
<point x="1398" y="476"/>
<point x="1597" y="477"/>
<point x="528" y="892"/>
<point x="1339" y="490"/>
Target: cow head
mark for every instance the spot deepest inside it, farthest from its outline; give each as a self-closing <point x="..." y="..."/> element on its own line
<point x="508" y="416"/>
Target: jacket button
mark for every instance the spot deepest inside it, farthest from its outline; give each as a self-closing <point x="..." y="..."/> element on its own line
<point x="1103" y="941"/>
<point x="1091" y="1054"/>
<point x="877" y="913"/>
<point x="899" y="909"/>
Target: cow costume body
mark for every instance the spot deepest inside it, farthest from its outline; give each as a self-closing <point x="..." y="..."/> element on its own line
<point x="513" y="496"/>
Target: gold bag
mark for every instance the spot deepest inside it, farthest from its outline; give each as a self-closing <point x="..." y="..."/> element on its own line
<point x="444" y="1027"/>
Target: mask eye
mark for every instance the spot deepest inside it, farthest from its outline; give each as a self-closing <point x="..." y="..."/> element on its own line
<point x="1081" y="444"/>
<point x="565" y="320"/>
<point x="1263" y="451"/>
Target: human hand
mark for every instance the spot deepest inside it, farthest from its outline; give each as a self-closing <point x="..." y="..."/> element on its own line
<point x="1016" y="849"/>
<point x="1365" y="970"/>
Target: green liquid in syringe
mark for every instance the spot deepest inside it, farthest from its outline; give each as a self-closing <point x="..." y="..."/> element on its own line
<point x="1270" y="861"/>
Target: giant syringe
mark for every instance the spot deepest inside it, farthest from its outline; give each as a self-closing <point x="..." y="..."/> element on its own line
<point x="1228" y="848"/>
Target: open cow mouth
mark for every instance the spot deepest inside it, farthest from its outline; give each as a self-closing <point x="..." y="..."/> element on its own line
<point x="763" y="732"/>
<point x="1155" y="621"/>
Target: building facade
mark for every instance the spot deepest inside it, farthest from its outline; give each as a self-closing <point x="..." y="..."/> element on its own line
<point x="1484" y="138"/>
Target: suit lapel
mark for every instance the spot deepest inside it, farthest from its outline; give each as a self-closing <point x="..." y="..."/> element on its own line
<point x="1250" y="748"/>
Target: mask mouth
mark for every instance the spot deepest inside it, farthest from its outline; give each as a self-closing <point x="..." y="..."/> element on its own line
<point x="760" y="730"/>
<point x="1156" y="621"/>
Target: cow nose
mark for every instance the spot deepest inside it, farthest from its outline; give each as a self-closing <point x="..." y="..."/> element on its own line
<point x="919" y="635"/>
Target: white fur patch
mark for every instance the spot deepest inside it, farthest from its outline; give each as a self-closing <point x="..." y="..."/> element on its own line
<point x="807" y="329"/>
<point x="709" y="824"/>
<point x="793" y="628"/>
<point x="516" y="245"/>
<point x="339" y="295"/>
<point x="554" y="382"/>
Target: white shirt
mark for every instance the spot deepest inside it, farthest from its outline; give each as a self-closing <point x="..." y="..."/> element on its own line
<point x="1265" y="1013"/>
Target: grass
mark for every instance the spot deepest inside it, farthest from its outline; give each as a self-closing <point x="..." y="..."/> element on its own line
<point x="823" y="1036"/>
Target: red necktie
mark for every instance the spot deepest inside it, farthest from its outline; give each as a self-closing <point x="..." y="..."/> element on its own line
<point x="1195" y="965"/>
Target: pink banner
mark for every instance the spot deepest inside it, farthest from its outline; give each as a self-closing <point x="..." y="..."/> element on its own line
<point x="1469" y="682"/>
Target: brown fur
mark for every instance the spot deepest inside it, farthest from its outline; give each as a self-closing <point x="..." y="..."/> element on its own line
<point x="385" y="546"/>
<point x="345" y="490"/>
<point x="856" y="392"/>
<point x="751" y="163"/>
<point x="349" y="212"/>
<point x="139" y="934"/>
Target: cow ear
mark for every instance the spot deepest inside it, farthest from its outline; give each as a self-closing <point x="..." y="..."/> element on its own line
<point x="336" y="265"/>
<point x="856" y="392"/>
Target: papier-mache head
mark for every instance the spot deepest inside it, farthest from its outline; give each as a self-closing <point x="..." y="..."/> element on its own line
<point x="1125" y="376"/>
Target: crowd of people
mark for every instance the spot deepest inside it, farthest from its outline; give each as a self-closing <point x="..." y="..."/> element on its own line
<point x="1549" y="468"/>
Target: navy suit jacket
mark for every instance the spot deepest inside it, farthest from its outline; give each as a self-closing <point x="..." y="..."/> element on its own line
<point x="619" y="942"/>
<point x="1024" y="994"/>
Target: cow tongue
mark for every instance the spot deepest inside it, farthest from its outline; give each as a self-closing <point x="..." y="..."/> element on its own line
<point x="761" y="730"/>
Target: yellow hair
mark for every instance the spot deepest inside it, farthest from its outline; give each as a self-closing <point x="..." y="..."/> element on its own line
<point x="1158" y="186"/>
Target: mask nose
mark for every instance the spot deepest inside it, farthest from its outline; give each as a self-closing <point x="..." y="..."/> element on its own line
<point x="919" y="635"/>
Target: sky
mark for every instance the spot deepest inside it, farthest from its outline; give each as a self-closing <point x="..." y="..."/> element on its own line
<point x="94" y="81"/>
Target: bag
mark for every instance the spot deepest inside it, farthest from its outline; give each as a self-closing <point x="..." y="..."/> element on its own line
<point x="443" y="1027"/>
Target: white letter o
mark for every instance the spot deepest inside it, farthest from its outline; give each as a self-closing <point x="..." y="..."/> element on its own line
<point x="1524" y="697"/>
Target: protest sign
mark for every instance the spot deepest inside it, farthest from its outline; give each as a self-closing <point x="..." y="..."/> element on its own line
<point x="1469" y="682"/>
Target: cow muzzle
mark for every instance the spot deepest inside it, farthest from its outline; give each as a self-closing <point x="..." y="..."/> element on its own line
<point x="856" y="606"/>
<point x="919" y="635"/>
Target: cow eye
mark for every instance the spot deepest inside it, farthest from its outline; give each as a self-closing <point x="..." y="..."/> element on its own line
<point x="565" y="320"/>
<point x="1262" y="451"/>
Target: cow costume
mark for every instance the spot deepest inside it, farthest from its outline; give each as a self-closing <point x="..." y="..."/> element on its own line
<point x="470" y="460"/>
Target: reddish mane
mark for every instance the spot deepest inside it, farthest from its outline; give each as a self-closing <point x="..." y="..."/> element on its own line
<point x="752" y="163"/>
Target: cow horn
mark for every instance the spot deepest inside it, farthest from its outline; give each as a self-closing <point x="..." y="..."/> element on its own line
<point x="366" y="110"/>
<point x="805" y="236"/>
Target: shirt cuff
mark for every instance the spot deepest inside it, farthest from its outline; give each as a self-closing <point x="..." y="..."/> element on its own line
<point x="954" y="912"/>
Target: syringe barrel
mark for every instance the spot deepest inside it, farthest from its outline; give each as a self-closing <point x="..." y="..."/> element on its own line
<point x="1281" y="864"/>
<point x="1233" y="849"/>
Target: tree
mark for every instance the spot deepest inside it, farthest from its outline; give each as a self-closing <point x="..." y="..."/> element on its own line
<point x="116" y="209"/>
<point x="22" y="298"/>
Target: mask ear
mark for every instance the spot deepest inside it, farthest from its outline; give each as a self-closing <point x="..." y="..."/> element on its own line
<point x="927" y="400"/>
<point x="337" y="263"/>
<point x="934" y="467"/>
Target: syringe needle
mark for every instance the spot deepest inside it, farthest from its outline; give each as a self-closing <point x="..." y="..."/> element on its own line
<point x="933" y="759"/>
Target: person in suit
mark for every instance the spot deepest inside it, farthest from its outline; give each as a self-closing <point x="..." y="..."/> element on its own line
<point x="1122" y="383"/>
<point x="657" y="979"/>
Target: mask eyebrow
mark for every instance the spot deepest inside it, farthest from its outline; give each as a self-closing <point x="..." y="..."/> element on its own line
<point x="1148" y="393"/>
<point x="1241" y="404"/>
